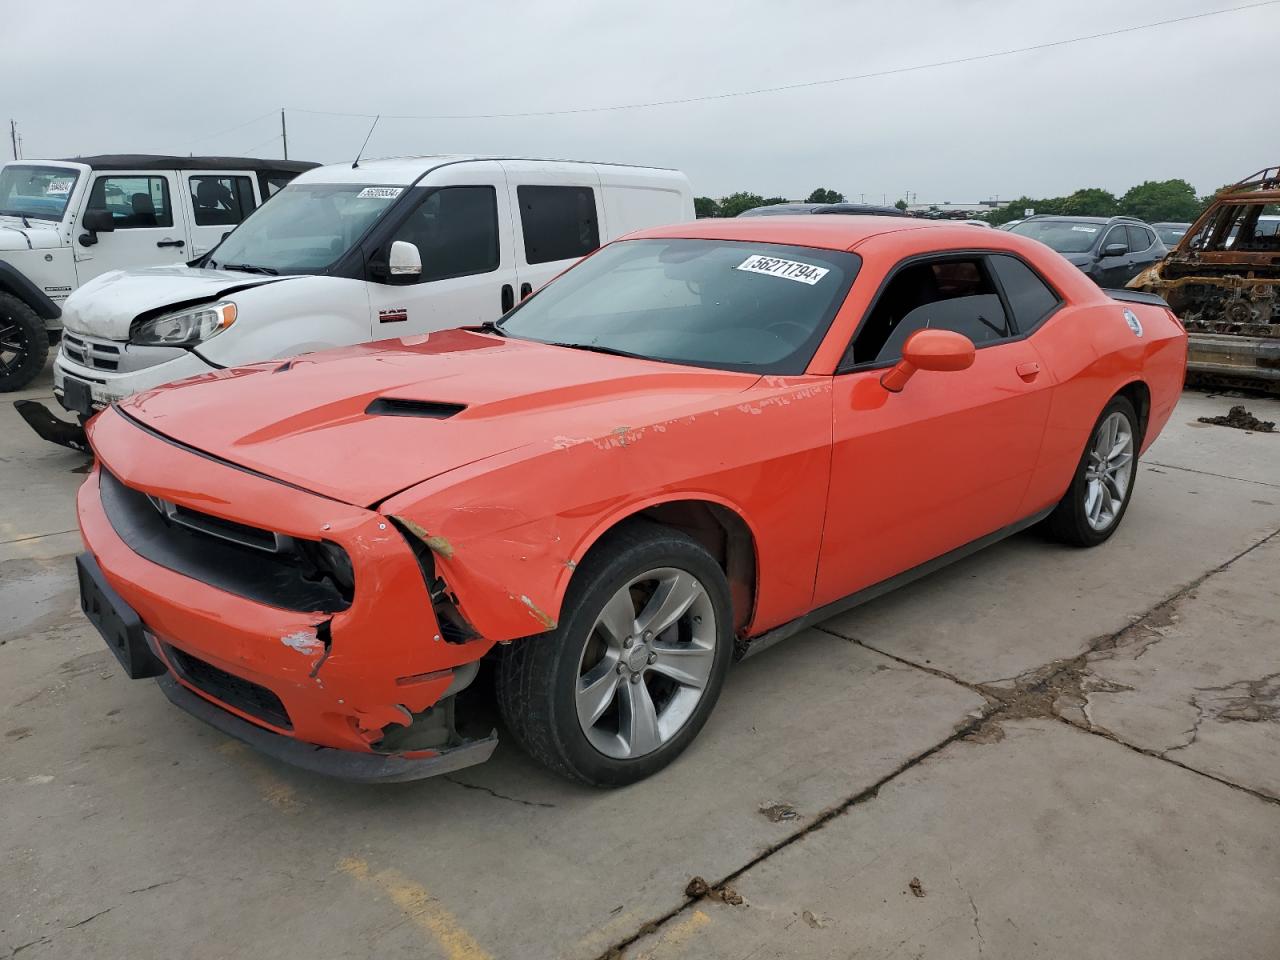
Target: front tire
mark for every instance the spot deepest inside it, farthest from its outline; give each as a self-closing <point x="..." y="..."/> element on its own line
<point x="1102" y="486"/>
<point x="24" y="344"/>
<point x="629" y="676"/>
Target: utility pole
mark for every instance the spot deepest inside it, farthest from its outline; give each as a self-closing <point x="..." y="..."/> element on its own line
<point x="284" y="134"/>
<point x="13" y="137"/>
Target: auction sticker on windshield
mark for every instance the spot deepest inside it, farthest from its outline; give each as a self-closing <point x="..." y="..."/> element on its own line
<point x="59" y="186"/>
<point x="379" y="193"/>
<point x="787" y="269"/>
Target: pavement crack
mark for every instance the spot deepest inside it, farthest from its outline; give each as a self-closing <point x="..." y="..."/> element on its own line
<point x="38" y="941"/>
<point x="153" y="886"/>
<point x="81" y="923"/>
<point x="495" y="793"/>
<point x="1209" y="473"/>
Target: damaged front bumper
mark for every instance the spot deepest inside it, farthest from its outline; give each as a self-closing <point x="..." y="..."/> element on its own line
<point x="362" y="691"/>
<point x="1233" y="355"/>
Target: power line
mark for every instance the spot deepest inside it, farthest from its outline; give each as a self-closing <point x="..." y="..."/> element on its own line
<point x="806" y="84"/>
<point x="238" y="126"/>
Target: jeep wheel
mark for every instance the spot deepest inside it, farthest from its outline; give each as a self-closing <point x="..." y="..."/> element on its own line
<point x="24" y="344"/>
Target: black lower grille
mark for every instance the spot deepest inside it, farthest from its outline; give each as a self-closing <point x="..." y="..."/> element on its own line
<point x="232" y="690"/>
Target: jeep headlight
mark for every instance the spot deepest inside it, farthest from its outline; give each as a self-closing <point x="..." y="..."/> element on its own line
<point x="187" y="327"/>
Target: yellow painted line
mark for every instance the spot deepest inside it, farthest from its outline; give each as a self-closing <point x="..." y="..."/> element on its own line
<point x="419" y="906"/>
<point x="274" y="790"/>
<point x="678" y="933"/>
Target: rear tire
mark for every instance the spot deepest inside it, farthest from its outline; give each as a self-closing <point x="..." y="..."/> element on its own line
<point x="629" y="676"/>
<point x="24" y="344"/>
<point x="1102" y="486"/>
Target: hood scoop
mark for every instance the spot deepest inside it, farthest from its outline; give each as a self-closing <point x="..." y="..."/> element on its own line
<point x="425" y="409"/>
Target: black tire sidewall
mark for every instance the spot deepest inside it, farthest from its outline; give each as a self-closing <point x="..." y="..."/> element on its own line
<point x="1074" y="525"/>
<point x="15" y="311"/>
<point x="672" y="550"/>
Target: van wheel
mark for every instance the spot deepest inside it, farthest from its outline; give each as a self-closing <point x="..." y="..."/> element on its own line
<point x="627" y="679"/>
<point x="24" y="344"/>
<point x="1102" y="487"/>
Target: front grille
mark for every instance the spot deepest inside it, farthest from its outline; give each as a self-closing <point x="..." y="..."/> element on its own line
<point x="222" y="553"/>
<point x="234" y="691"/>
<point x="90" y="352"/>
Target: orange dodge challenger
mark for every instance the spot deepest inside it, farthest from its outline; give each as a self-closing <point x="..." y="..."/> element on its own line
<point x="687" y="447"/>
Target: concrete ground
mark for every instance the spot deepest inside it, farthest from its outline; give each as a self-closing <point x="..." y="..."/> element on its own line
<point x="1038" y="752"/>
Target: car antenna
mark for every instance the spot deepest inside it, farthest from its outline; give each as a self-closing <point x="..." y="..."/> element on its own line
<point x="356" y="162"/>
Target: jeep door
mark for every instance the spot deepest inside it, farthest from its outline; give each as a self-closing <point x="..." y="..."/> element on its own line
<point x="216" y="202"/>
<point x="149" y="228"/>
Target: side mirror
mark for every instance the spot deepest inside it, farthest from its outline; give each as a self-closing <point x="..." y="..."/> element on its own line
<point x="1114" y="250"/>
<point x="405" y="262"/>
<point x="95" y="222"/>
<point x="929" y="350"/>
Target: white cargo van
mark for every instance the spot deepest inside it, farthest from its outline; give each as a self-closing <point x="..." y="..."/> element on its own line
<point x="64" y="222"/>
<point x="346" y="254"/>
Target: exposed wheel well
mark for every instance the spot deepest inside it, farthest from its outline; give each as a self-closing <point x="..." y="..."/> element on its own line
<point x="1139" y="395"/>
<point x="722" y="533"/>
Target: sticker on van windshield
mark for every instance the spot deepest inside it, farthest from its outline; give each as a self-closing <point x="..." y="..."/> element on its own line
<point x="1079" y="229"/>
<point x="59" y="186"/>
<point x="787" y="269"/>
<point x="379" y="193"/>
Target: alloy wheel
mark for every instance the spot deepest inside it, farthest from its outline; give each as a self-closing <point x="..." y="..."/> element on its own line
<point x="1109" y="471"/>
<point x="646" y="663"/>
<point x="13" y="346"/>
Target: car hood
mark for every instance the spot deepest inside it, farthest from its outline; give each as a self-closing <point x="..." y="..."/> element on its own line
<point x="107" y="305"/>
<point x="41" y="235"/>
<point x="362" y="423"/>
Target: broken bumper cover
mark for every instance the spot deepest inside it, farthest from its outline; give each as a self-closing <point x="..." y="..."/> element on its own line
<point x="349" y="765"/>
<point x="50" y="427"/>
<point x="1226" y="354"/>
<point x="334" y="683"/>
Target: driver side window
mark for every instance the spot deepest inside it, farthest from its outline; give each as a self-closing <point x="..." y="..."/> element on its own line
<point x="955" y="293"/>
<point x="456" y="232"/>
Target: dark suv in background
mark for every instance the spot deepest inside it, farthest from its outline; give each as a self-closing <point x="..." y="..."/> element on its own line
<point x="1111" y="250"/>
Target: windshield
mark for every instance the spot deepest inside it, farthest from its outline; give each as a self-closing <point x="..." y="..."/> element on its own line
<point x="1061" y="235"/>
<point x="1171" y="233"/>
<point x="305" y="228"/>
<point x="734" y="305"/>
<point x="40" y="192"/>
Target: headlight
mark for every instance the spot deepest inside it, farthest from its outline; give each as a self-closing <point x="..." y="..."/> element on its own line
<point x="186" y="328"/>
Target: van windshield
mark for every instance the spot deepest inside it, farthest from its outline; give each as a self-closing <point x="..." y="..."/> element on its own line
<point x="305" y="228"/>
<point x="728" y="304"/>
<point x="40" y="192"/>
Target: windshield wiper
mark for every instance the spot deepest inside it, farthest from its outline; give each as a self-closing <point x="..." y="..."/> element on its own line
<point x="490" y="327"/>
<point x="250" y="268"/>
<point x="597" y="348"/>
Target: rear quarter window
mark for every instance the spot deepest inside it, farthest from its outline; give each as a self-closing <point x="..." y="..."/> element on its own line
<point x="1030" y="298"/>
<point x="558" y="223"/>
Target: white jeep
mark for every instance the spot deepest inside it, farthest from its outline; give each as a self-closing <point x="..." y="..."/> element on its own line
<point x="346" y="254"/>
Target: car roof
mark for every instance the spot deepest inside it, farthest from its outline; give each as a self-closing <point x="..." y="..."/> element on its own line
<point x="156" y="161"/>
<point x="406" y="171"/>
<point x="1067" y="218"/>
<point x="829" y="233"/>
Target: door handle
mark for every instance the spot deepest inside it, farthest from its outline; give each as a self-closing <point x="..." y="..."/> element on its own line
<point x="508" y="297"/>
<point x="1028" y="370"/>
<point x="171" y="243"/>
<point x="525" y="290"/>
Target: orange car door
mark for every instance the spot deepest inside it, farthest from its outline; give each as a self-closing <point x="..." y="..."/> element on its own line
<point x="947" y="460"/>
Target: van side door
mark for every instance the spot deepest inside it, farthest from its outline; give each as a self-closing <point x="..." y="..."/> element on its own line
<point x="216" y="201"/>
<point x="557" y="217"/>
<point x="149" y="227"/>
<point x="459" y="222"/>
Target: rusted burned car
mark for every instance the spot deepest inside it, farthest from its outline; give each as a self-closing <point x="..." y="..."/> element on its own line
<point x="1223" y="282"/>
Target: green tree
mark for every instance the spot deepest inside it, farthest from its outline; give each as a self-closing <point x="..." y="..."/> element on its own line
<point x="900" y="204"/>
<point x="1014" y="211"/>
<point x="823" y="195"/>
<point x="735" y="203"/>
<point x="1089" y="202"/>
<point x="774" y="201"/>
<point x="1155" y="200"/>
<point x="705" y="207"/>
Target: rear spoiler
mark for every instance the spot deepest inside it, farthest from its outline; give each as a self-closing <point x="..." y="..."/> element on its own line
<point x="1137" y="296"/>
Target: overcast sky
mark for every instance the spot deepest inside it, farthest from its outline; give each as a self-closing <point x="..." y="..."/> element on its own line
<point x="1185" y="100"/>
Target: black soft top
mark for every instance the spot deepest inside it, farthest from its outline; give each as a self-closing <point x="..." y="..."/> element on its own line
<point x="154" y="161"/>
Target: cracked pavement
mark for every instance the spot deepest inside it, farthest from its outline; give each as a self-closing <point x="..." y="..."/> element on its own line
<point x="1072" y="754"/>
